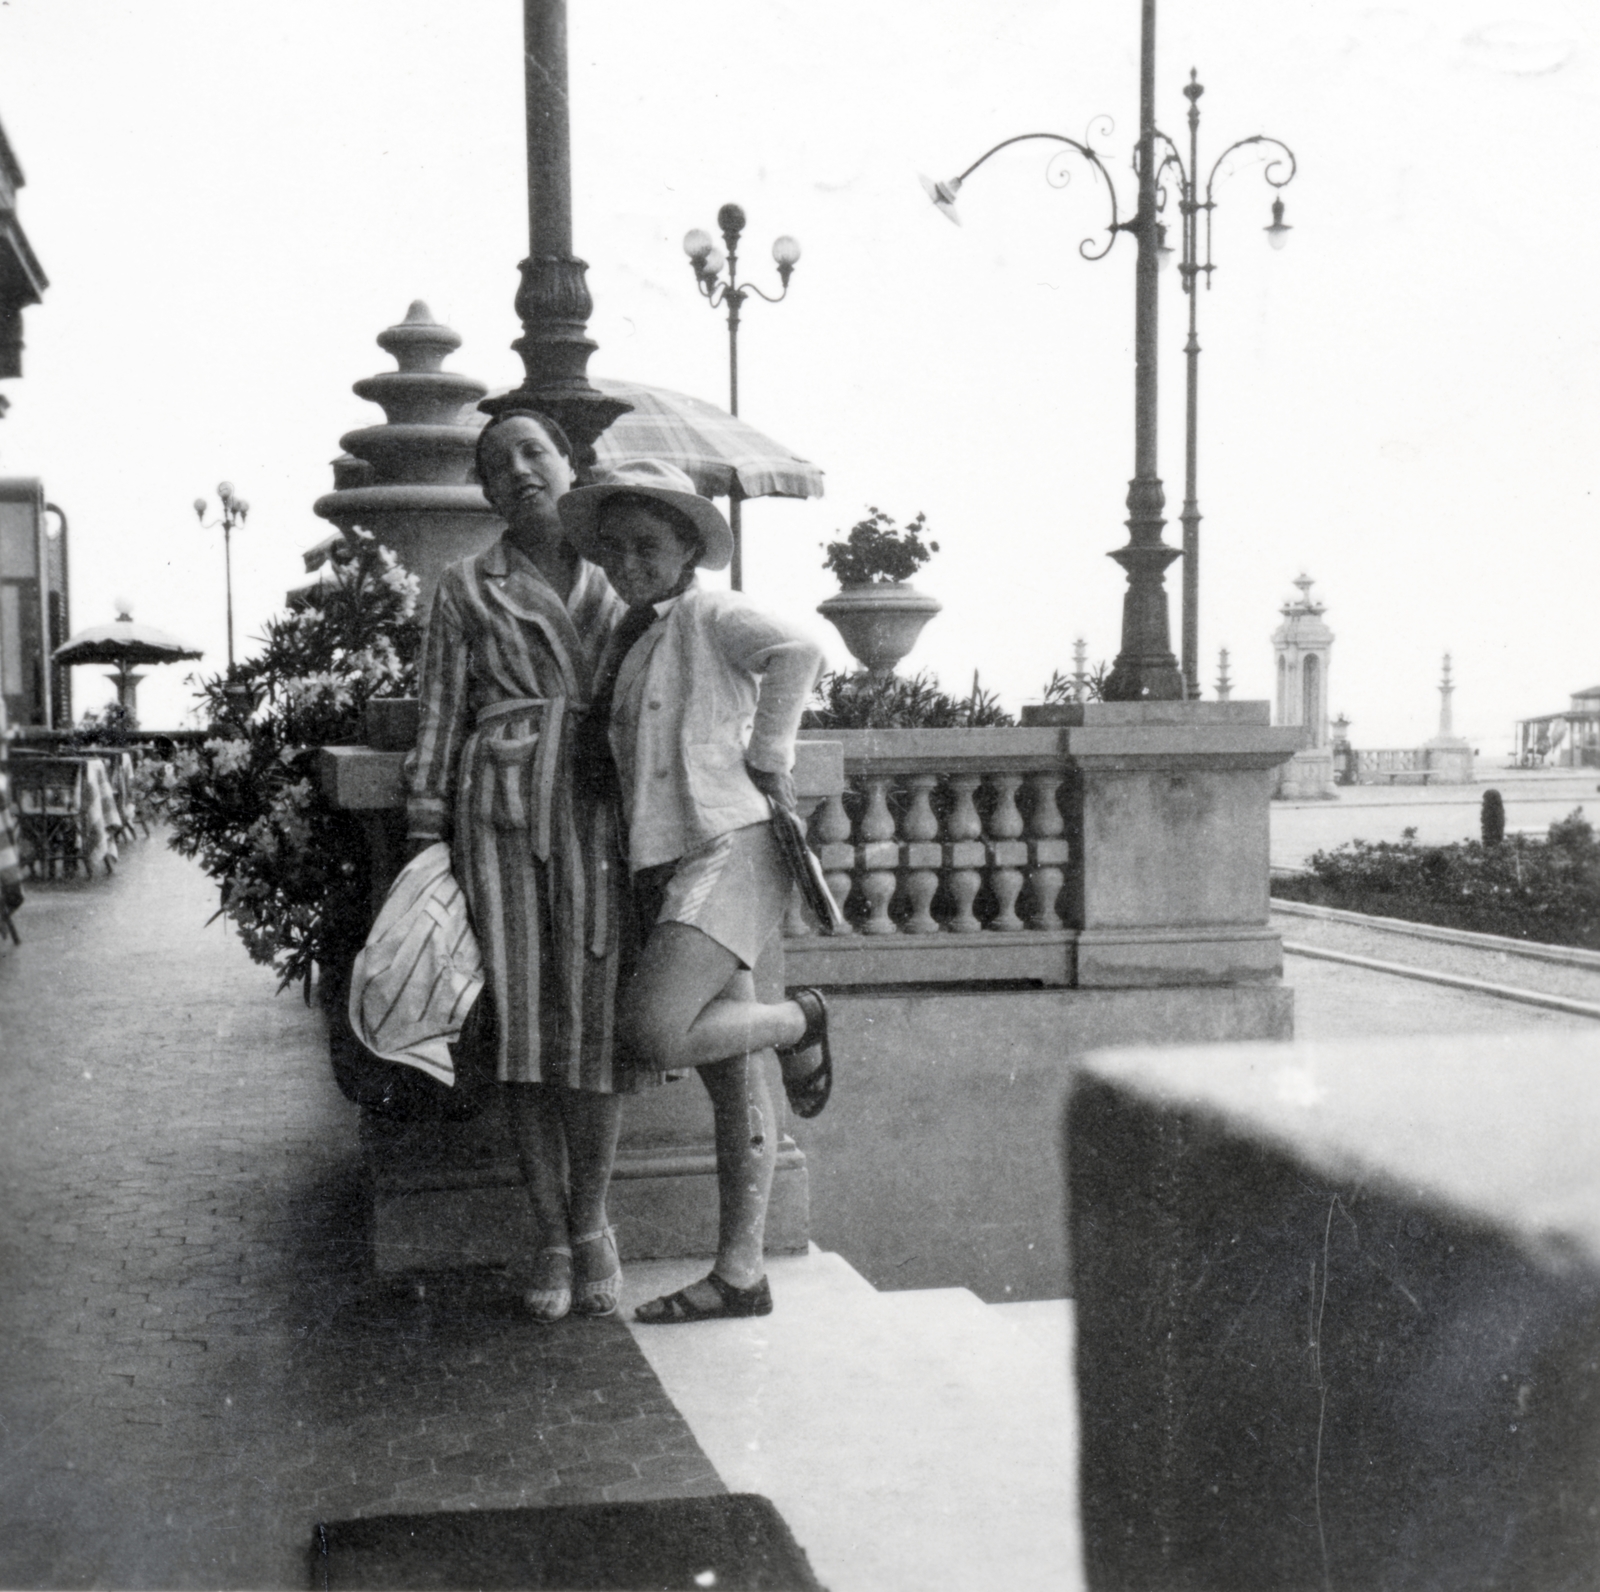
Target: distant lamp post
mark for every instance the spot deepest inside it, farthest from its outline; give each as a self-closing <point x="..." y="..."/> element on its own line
<point x="719" y="291"/>
<point x="1195" y="263"/>
<point x="235" y="511"/>
<point x="1145" y="668"/>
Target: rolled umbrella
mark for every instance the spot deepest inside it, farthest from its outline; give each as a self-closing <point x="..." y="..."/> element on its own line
<point x="125" y="646"/>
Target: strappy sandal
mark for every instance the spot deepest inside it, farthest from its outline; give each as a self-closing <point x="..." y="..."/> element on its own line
<point x="549" y="1305"/>
<point x="808" y="1095"/>
<point x="756" y="1300"/>
<point x="597" y="1296"/>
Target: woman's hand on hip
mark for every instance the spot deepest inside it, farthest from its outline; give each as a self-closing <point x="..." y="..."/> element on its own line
<point x="779" y="787"/>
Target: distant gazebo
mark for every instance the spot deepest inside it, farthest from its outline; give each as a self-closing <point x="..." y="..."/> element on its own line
<point x="1563" y="740"/>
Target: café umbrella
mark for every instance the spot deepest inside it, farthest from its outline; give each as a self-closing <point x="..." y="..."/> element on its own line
<point x="716" y="450"/>
<point x="719" y="452"/>
<point x="125" y="646"/>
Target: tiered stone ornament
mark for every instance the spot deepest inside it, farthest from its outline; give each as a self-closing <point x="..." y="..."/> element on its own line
<point x="409" y="481"/>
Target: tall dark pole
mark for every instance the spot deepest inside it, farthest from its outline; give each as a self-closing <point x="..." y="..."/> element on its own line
<point x="1191" y="353"/>
<point x="732" y="218"/>
<point x="553" y="302"/>
<point x="1145" y="668"/>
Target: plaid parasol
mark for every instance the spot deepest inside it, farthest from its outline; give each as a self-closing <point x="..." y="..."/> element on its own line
<point x="714" y="449"/>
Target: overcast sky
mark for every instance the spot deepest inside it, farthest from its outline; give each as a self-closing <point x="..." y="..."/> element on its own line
<point x="232" y="199"/>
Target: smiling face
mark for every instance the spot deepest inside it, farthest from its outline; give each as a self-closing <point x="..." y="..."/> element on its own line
<point x="643" y="549"/>
<point x="524" y="472"/>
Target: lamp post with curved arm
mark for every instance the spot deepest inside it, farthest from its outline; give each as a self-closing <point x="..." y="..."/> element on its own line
<point x="728" y="292"/>
<point x="1279" y="171"/>
<point x="1145" y="669"/>
<point x="235" y="511"/>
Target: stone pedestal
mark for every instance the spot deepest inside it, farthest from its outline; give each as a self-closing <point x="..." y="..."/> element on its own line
<point x="1167" y="812"/>
<point x="1308" y="776"/>
<point x="1449" y="761"/>
<point x="1338" y="1314"/>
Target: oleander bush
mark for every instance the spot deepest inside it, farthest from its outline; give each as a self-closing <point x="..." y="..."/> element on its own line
<point x="246" y="804"/>
<point x="1525" y="888"/>
<point x="915" y="702"/>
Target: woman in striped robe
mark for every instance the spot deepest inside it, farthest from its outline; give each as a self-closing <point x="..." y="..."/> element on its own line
<point x="514" y="638"/>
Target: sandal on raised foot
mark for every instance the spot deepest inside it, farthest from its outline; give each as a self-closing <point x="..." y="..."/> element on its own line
<point x="597" y="1296"/>
<point x="756" y="1300"/>
<point x="549" y="1305"/>
<point x="808" y="1095"/>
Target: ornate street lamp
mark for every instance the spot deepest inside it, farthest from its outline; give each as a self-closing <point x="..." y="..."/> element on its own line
<point x="1279" y="172"/>
<point x="235" y="511"/>
<point x="1145" y="668"/>
<point x="719" y="291"/>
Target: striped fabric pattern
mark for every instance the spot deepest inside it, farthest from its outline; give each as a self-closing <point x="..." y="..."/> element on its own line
<point x="507" y="665"/>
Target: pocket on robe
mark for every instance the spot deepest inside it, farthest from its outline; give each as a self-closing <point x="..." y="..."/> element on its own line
<point x="511" y="760"/>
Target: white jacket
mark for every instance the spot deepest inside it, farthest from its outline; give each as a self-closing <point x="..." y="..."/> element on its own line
<point x="713" y="684"/>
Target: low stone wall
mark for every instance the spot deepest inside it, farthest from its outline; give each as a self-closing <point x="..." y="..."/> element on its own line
<point x="938" y="1162"/>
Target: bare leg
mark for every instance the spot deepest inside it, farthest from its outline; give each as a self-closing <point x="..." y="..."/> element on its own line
<point x="746" y="1154"/>
<point x="536" y="1121"/>
<point x="592" y="1122"/>
<point x="691" y="1003"/>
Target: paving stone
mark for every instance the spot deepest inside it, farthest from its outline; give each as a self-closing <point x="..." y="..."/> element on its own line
<point x="197" y="1365"/>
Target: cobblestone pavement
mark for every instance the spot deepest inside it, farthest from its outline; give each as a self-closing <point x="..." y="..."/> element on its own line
<point x="197" y="1365"/>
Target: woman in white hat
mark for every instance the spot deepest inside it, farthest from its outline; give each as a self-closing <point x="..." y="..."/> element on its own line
<point x="695" y="730"/>
<point x="514" y="640"/>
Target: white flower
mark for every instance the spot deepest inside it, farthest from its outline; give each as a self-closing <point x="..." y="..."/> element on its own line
<point x="227" y="757"/>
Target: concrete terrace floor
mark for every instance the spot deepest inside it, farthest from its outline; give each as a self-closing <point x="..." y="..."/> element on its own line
<point x="198" y="1367"/>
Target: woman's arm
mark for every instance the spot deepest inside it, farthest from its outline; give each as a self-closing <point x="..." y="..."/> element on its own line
<point x="431" y="763"/>
<point x="787" y="665"/>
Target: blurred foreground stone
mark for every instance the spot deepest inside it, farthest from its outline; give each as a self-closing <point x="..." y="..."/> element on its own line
<point x="1339" y="1314"/>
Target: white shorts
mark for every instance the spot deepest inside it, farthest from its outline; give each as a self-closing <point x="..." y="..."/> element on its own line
<point x="733" y="889"/>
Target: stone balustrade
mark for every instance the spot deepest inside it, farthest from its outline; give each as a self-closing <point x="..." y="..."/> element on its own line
<point x="948" y="852"/>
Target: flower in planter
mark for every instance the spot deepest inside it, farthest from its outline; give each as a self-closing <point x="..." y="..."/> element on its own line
<point x="876" y="552"/>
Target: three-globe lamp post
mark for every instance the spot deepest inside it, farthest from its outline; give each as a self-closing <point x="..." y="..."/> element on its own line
<point x="235" y="511"/>
<point x="727" y="292"/>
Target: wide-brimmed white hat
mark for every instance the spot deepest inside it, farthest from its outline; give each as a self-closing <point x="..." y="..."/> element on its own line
<point x="651" y="478"/>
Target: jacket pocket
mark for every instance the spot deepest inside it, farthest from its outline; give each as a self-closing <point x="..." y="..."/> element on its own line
<point x="717" y="777"/>
<point x="510" y="767"/>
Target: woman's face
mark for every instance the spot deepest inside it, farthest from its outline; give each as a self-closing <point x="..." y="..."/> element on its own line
<point x="641" y="552"/>
<point x="524" y="471"/>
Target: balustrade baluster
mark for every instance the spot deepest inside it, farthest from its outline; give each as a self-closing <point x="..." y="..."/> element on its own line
<point x="1008" y="851"/>
<point x="878" y="856"/>
<point x="964" y="852"/>
<point x="923" y="854"/>
<point x="830" y="829"/>
<point x="1048" y="848"/>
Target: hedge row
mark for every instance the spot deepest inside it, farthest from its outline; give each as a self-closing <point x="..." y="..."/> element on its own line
<point x="1526" y="889"/>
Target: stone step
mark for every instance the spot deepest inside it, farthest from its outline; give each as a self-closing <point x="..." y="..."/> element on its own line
<point x="919" y="1439"/>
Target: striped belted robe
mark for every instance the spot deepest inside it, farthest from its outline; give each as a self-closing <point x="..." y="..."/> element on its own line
<point x="508" y="667"/>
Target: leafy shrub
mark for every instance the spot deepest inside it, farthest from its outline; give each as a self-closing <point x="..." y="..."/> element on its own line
<point x="247" y="804"/>
<point x="1062" y="688"/>
<point x="1546" y="890"/>
<point x="876" y="552"/>
<point x="858" y="702"/>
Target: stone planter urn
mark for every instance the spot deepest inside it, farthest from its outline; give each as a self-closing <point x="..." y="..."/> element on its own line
<point x="880" y="623"/>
